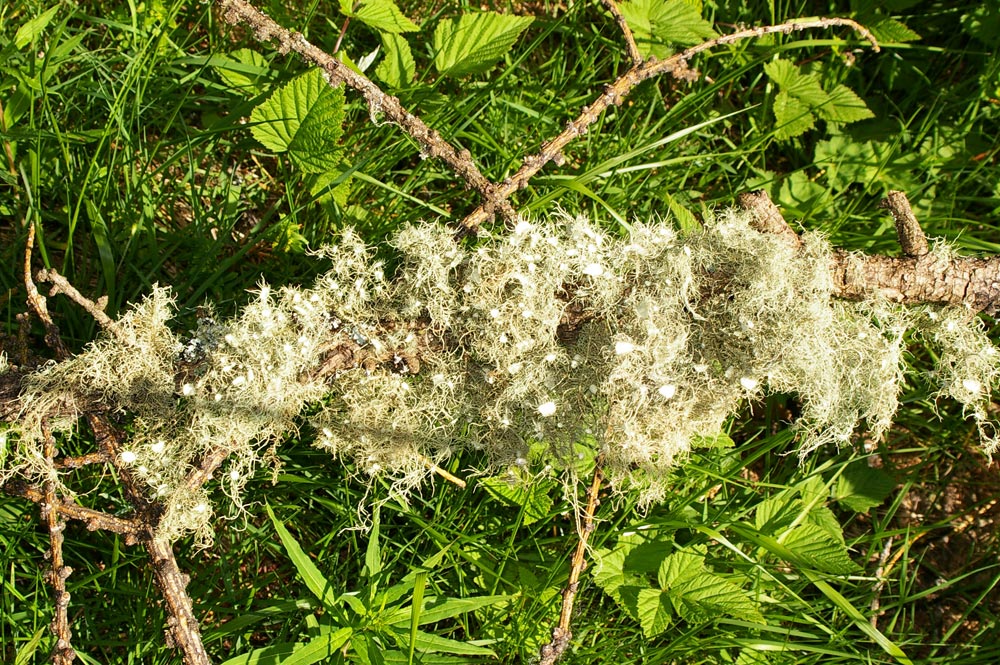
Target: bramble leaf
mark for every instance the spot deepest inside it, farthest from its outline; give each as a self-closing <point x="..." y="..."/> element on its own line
<point x="802" y="98"/>
<point x="844" y="106"/>
<point x="654" y="611"/>
<point x="657" y="24"/>
<point x="792" y="117"/>
<point x="475" y="42"/>
<point x="243" y="70"/>
<point x="397" y="67"/>
<point x="383" y="15"/>
<point x="817" y="548"/>
<point x="862" y="487"/>
<point x="533" y="495"/>
<point x="303" y="118"/>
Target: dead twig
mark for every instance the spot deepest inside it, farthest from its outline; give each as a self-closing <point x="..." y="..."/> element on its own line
<point x="61" y="285"/>
<point x="561" y="634"/>
<point x="630" y="45"/>
<point x="62" y="652"/>
<point x="615" y="94"/>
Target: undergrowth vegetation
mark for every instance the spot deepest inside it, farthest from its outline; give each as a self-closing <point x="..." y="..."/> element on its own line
<point x="155" y="150"/>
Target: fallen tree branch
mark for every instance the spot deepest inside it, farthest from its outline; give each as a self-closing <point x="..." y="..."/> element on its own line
<point x="920" y="276"/>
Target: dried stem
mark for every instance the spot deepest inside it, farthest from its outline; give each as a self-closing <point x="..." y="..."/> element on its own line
<point x="630" y="45"/>
<point x="444" y="473"/>
<point x="562" y="634"/>
<point x="265" y="29"/>
<point x="94" y="520"/>
<point x="911" y="236"/>
<point x="616" y="93"/>
<point x="62" y="653"/>
<point x="61" y="285"/>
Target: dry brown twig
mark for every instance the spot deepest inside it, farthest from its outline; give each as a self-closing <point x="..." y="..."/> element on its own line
<point x="561" y="634"/>
<point x="633" y="49"/>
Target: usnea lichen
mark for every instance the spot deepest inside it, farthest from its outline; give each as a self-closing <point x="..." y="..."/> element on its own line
<point x="558" y="332"/>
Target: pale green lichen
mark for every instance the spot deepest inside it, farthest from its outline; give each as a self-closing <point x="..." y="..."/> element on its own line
<point x="637" y="347"/>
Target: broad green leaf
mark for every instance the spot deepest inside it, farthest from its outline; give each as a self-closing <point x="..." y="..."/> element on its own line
<point x="310" y="574"/>
<point x="706" y="597"/>
<point x="792" y="117"/>
<point x="804" y="87"/>
<point x="800" y="194"/>
<point x="243" y="70"/>
<point x="654" y="611"/>
<point x="815" y="547"/>
<point x="658" y="24"/>
<point x="889" y="31"/>
<point x="383" y="15"/>
<point x="32" y="28"/>
<point x="844" y="106"/>
<point x="680" y="566"/>
<point x="303" y="118"/>
<point x="319" y="649"/>
<point x="397" y="67"/>
<point x="609" y="573"/>
<point x="475" y="42"/>
<point x="533" y="495"/>
<point x="435" y="643"/>
<point x="333" y="185"/>
<point x="862" y="487"/>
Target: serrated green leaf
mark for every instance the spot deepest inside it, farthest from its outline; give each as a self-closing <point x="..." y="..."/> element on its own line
<point x="654" y="611"/>
<point x="706" y="596"/>
<point x="303" y="118"/>
<point x="475" y="42"/>
<point x="397" y="67"/>
<point x="243" y="70"/>
<point x="862" y="487"/>
<point x="32" y="28"/>
<point x="792" y="117"/>
<point x="383" y="15"/>
<point x="658" y="24"/>
<point x="310" y="574"/>
<point x="890" y="31"/>
<point x="803" y="87"/>
<point x="814" y="547"/>
<point x="776" y="512"/>
<point x="532" y="495"/>
<point x="680" y="566"/>
<point x="844" y="106"/>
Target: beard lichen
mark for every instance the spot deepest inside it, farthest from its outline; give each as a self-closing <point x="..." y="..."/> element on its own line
<point x="557" y="333"/>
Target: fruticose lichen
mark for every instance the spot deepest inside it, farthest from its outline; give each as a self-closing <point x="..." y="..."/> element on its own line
<point x="557" y="332"/>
